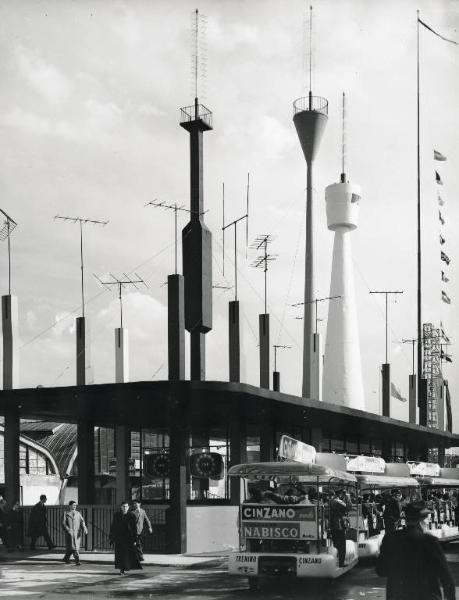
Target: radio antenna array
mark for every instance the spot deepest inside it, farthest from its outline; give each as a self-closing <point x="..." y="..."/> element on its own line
<point x="81" y="221"/>
<point x="276" y="348"/>
<point x="176" y="208"/>
<point x="198" y="52"/>
<point x="121" y="283"/>
<point x="5" y="233"/>
<point x="261" y="243"/>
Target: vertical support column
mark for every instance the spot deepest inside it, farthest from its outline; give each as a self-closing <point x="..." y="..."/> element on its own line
<point x="316" y="367"/>
<point x="441" y="456"/>
<point x="11" y="455"/>
<point x="422" y="401"/>
<point x="386" y="449"/>
<point x="122" y="454"/>
<point x="276" y="381"/>
<point x="121" y="355"/>
<point x="266" y="437"/>
<point x="412" y="399"/>
<point x="263" y="322"/>
<point x="176" y="326"/>
<point x="316" y="438"/>
<point x="86" y="470"/>
<point x="234" y="342"/>
<point x="10" y="332"/>
<point x="238" y="449"/>
<point x="176" y="514"/>
<point x="309" y="284"/>
<point x="385" y="372"/>
<point x="197" y="356"/>
<point x="81" y="362"/>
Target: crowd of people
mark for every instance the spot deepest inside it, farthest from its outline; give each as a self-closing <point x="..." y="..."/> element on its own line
<point x="126" y="532"/>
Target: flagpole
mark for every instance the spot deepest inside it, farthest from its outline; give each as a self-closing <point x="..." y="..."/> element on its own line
<point x="419" y="295"/>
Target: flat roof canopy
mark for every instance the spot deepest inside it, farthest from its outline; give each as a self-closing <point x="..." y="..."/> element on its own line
<point x="149" y="404"/>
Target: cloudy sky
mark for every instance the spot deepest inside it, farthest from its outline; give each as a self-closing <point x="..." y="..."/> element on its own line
<point x="89" y="114"/>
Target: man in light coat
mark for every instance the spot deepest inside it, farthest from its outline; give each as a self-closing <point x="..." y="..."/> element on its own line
<point x="141" y="519"/>
<point x="74" y="526"/>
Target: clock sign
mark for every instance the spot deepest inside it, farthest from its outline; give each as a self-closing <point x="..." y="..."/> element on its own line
<point x="156" y="465"/>
<point x="206" y="465"/>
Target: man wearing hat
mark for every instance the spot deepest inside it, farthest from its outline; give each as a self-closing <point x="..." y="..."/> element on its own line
<point x="413" y="561"/>
<point x="393" y="511"/>
<point x="339" y="505"/>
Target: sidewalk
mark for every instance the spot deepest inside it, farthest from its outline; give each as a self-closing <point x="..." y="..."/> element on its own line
<point x="181" y="561"/>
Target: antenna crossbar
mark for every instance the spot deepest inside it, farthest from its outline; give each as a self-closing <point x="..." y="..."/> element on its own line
<point x="121" y="283"/>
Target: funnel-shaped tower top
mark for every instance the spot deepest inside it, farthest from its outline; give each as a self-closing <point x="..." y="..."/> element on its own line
<point x="310" y="115"/>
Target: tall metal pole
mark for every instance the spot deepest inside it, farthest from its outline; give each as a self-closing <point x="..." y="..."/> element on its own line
<point x="82" y="272"/>
<point x="235" y="261"/>
<point x="9" y="257"/>
<point x="419" y="298"/>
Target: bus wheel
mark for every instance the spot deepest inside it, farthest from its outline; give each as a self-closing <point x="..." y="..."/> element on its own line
<point x="254" y="584"/>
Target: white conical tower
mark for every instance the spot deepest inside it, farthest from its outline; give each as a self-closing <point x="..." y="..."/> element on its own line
<point x="342" y="374"/>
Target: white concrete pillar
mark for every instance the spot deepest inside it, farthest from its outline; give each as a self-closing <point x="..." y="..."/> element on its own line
<point x="316" y="366"/>
<point x="10" y="331"/>
<point x="121" y="355"/>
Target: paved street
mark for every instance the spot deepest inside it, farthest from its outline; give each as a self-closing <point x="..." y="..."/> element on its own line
<point x="49" y="579"/>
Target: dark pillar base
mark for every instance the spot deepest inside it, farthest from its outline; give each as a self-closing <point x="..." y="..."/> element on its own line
<point x="197" y="356"/>
<point x="316" y="438"/>
<point x="176" y="326"/>
<point x="234" y="342"/>
<point x="412" y="399"/>
<point x="422" y="401"/>
<point x="176" y="514"/>
<point x="238" y="450"/>
<point x="86" y="471"/>
<point x="80" y="351"/>
<point x="385" y="371"/>
<point x="276" y="381"/>
<point x="263" y="321"/>
<point x="11" y="456"/>
<point x="266" y="438"/>
<point x="122" y="454"/>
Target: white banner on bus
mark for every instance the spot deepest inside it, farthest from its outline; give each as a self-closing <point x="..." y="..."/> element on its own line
<point x="292" y="449"/>
<point x="366" y="464"/>
<point x="424" y="468"/>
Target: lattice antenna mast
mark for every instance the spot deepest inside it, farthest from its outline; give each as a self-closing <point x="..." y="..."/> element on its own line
<point x="261" y="243"/>
<point x="176" y="208"/>
<point x="198" y="54"/>
<point x="81" y="222"/>
<point x="276" y="348"/>
<point x="120" y="283"/>
<point x="5" y="233"/>
<point x="343" y="143"/>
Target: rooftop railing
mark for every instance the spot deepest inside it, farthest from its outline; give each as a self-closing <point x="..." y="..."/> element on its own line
<point x="194" y="113"/>
<point x="315" y="103"/>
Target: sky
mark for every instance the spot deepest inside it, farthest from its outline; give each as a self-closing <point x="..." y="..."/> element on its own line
<point x="89" y="122"/>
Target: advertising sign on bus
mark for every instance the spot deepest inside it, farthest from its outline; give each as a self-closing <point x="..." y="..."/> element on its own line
<point x="424" y="468"/>
<point x="292" y="449"/>
<point x="366" y="464"/>
<point x="279" y="522"/>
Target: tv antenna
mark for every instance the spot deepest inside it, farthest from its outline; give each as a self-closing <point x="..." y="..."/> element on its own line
<point x="234" y="224"/>
<point x="81" y="222"/>
<point x="276" y="348"/>
<point x="198" y="52"/>
<point x="316" y="301"/>
<point x="261" y="243"/>
<point x="121" y="283"/>
<point x="411" y="341"/>
<point x="176" y="208"/>
<point x="343" y="143"/>
<point x="5" y="232"/>
<point x="386" y="293"/>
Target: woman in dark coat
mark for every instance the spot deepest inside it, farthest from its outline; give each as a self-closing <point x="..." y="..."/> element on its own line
<point x="123" y="534"/>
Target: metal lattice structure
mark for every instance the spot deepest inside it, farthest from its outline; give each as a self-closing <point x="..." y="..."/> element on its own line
<point x="431" y="370"/>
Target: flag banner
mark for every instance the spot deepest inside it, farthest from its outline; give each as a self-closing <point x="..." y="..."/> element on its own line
<point x="449" y="414"/>
<point x="437" y="34"/>
<point x="438" y="178"/>
<point x="445" y="297"/>
<point x="443" y="277"/>
<point x="442" y="239"/>
<point x="443" y="334"/>
<point x="445" y="257"/>
<point x="440" y="200"/>
<point x="395" y="392"/>
<point x="442" y="220"/>
<point x="445" y="356"/>
<point x="439" y="156"/>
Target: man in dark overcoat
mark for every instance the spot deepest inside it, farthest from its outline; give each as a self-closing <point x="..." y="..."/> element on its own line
<point x="38" y="524"/>
<point x="413" y="561"/>
<point x="393" y="511"/>
<point x="339" y="505"/>
<point x="123" y="534"/>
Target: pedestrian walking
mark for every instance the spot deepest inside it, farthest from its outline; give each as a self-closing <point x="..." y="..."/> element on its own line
<point x="393" y="511"/>
<point x="141" y="521"/>
<point x="38" y="524"/>
<point x="123" y="534"/>
<point x="74" y="527"/>
<point x="15" y="527"/>
<point x="339" y="505"/>
<point x="413" y="561"/>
